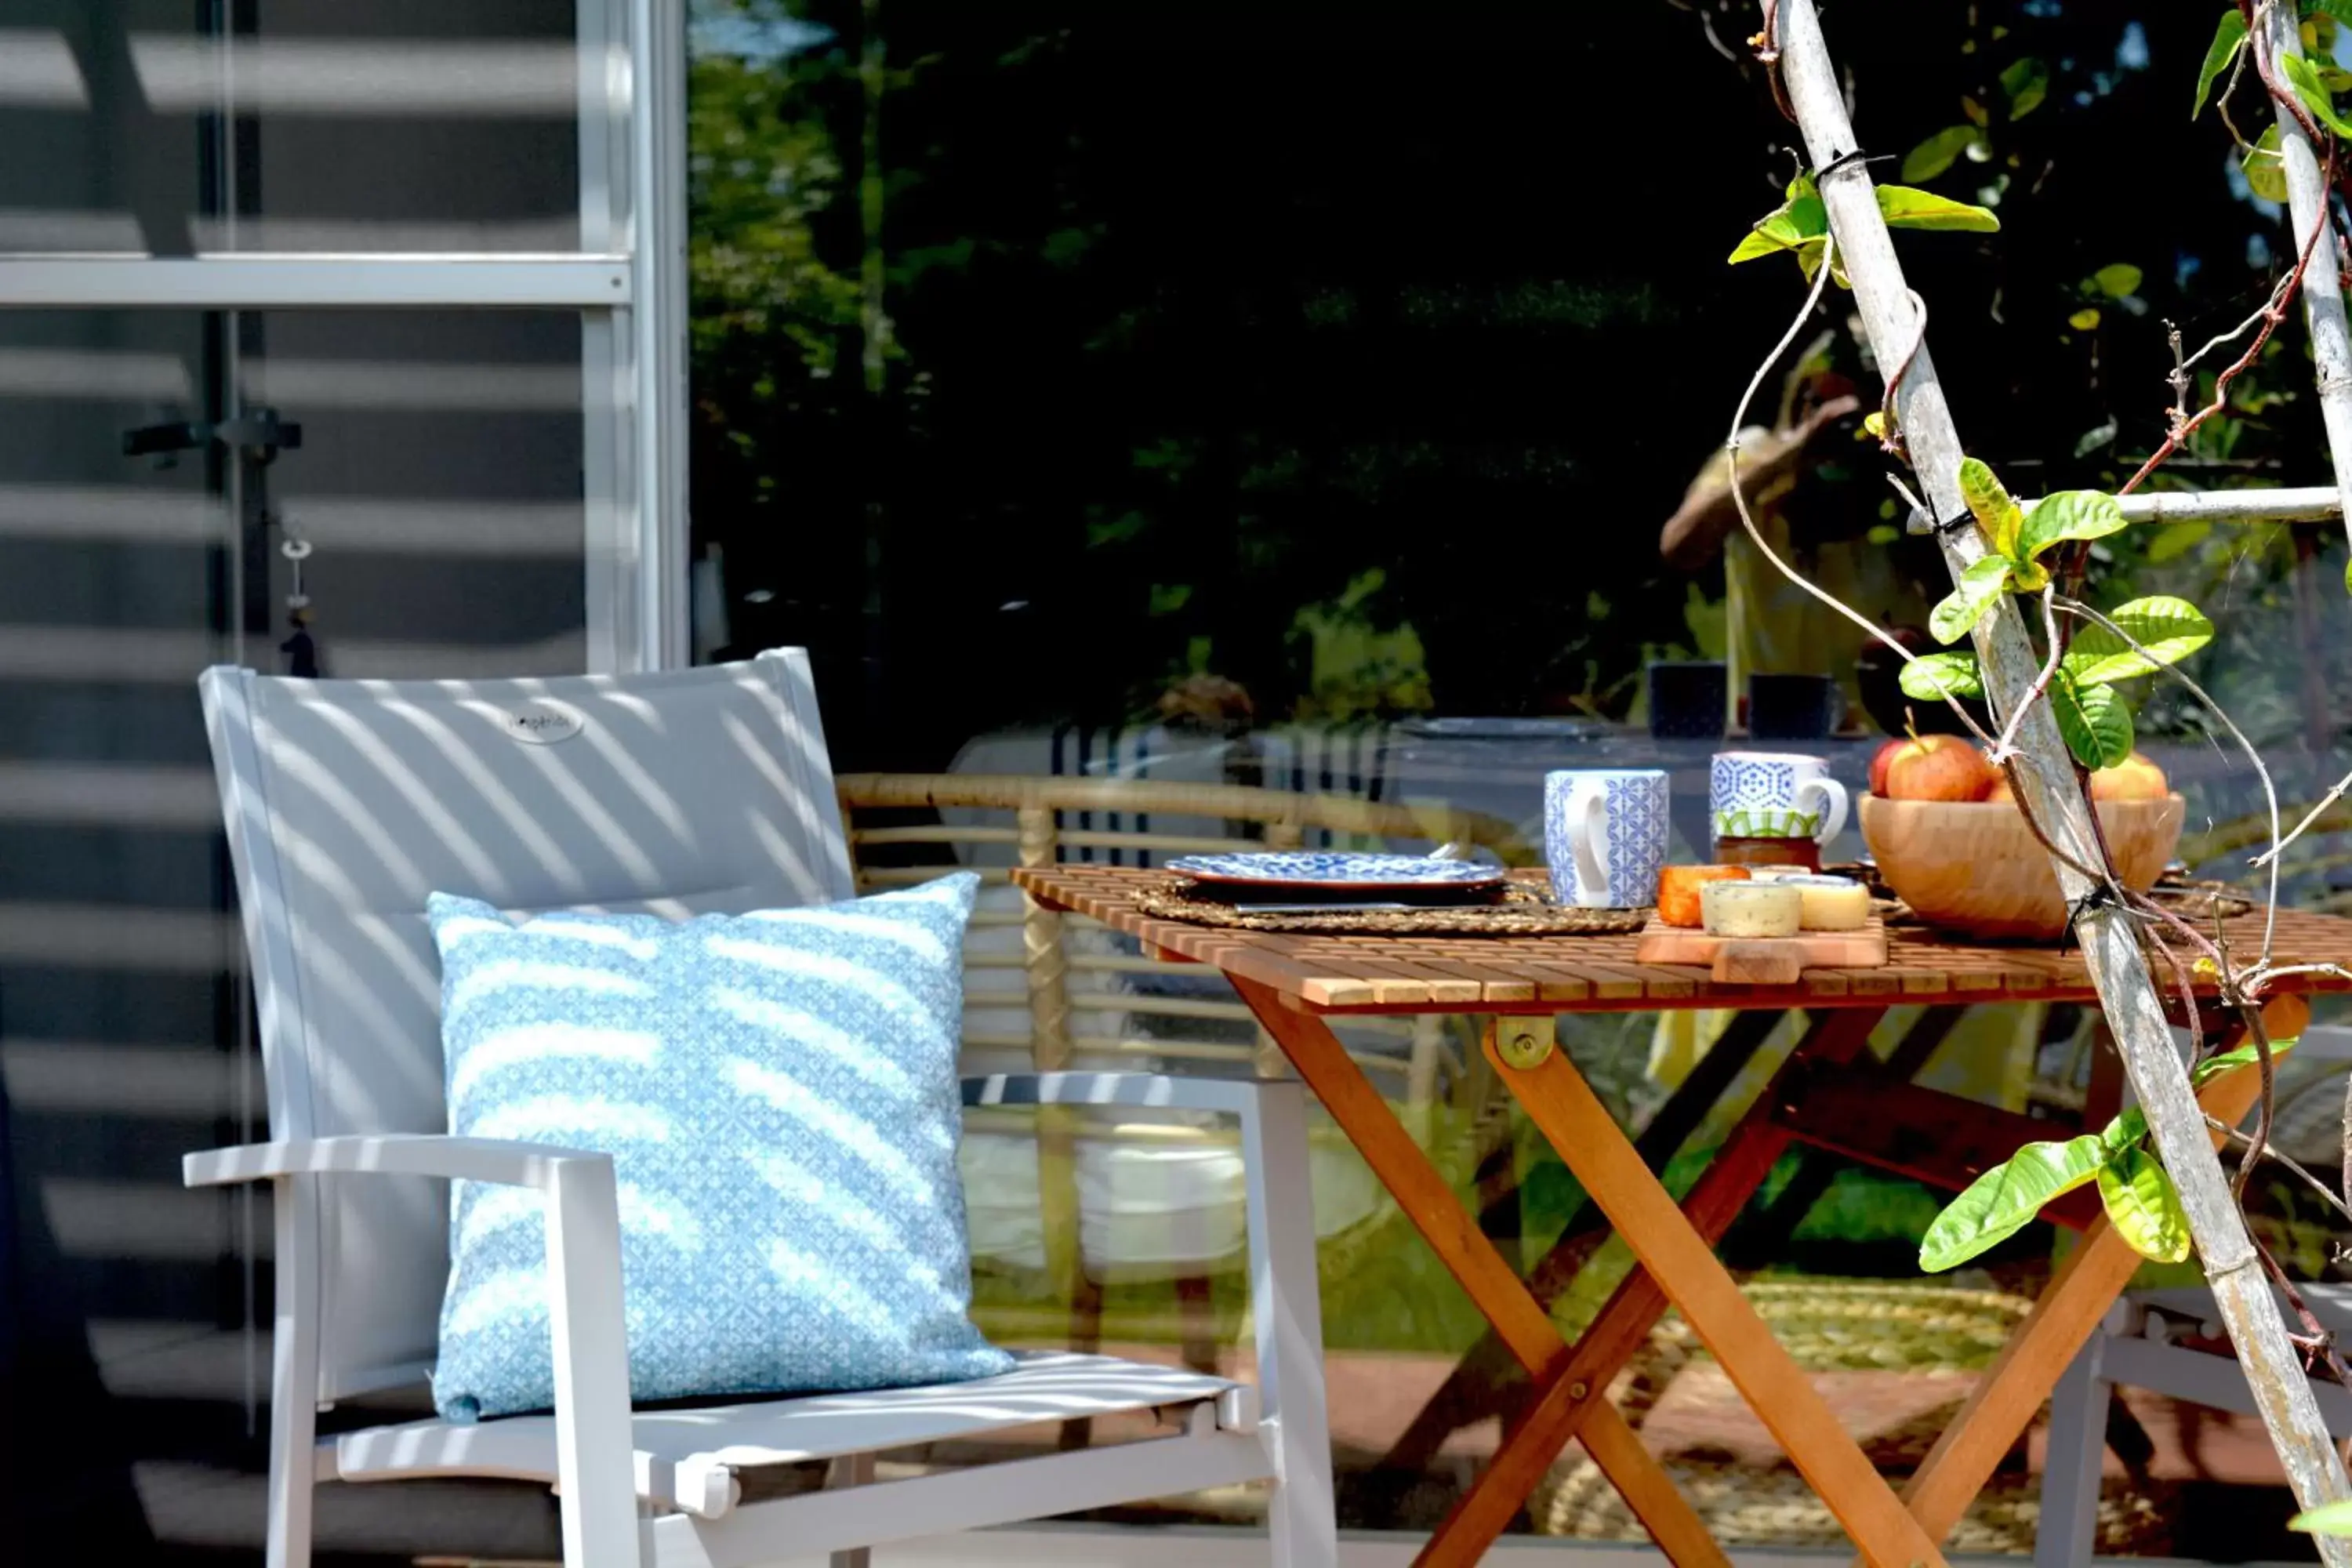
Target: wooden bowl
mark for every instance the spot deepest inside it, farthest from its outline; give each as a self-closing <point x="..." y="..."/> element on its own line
<point x="1975" y="867"/>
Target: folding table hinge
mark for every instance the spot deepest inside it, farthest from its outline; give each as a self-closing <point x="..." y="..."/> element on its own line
<point x="1524" y="1042"/>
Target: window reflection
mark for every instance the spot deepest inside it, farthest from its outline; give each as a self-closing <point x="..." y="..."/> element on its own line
<point x="1241" y="398"/>
<point x="140" y="128"/>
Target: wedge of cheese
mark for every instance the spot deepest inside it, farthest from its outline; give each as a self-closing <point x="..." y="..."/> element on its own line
<point x="1751" y="909"/>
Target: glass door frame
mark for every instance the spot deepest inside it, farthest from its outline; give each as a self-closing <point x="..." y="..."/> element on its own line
<point x="626" y="282"/>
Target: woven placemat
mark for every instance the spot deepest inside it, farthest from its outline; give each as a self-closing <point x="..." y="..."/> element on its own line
<point x="1524" y="910"/>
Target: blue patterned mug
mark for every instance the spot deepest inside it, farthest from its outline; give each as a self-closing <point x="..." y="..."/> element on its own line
<point x="1774" y="794"/>
<point x="1605" y="835"/>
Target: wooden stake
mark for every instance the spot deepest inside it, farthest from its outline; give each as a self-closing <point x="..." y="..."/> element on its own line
<point x="2110" y="949"/>
<point x="2323" y="286"/>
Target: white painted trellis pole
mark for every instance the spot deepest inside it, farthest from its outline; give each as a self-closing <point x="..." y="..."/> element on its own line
<point x="2118" y="968"/>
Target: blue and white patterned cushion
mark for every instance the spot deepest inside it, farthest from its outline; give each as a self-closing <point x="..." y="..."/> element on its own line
<point x="778" y="1091"/>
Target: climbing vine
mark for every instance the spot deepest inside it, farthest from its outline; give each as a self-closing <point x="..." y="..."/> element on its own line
<point x="2042" y="552"/>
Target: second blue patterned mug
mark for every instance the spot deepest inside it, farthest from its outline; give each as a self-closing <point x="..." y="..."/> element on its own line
<point x="1774" y="794"/>
<point x="1605" y="835"/>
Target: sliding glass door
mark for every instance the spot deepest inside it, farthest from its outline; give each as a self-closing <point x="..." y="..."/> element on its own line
<point x="333" y="340"/>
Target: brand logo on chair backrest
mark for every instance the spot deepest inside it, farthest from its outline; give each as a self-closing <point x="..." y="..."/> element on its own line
<point x="543" y="723"/>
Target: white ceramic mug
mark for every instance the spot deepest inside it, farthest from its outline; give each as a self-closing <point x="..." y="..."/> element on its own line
<point x="1605" y="835"/>
<point x="1774" y="794"/>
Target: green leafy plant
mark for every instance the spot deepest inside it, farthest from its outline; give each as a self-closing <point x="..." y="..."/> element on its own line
<point x="2305" y="78"/>
<point x="2229" y="38"/>
<point x="2336" y="1519"/>
<point x="2315" y="77"/>
<point x="1801" y="224"/>
<point x="2094" y="719"/>
<point x="2141" y="1202"/>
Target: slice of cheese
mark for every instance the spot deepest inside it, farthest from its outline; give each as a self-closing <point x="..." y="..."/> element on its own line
<point x="1831" y="903"/>
<point x="1751" y="909"/>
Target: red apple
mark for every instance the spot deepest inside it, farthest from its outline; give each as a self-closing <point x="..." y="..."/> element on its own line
<point x="2134" y="778"/>
<point x="1878" y="761"/>
<point x="1938" y="767"/>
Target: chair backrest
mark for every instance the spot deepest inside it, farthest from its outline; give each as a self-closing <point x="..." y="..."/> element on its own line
<point x="347" y="802"/>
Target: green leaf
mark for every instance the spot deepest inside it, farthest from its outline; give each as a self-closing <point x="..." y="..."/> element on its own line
<point x="2169" y="629"/>
<point x="2083" y="320"/>
<point x="1798" y="223"/>
<point x="1777" y="231"/>
<point x="2066" y="515"/>
<point x="2320" y="30"/>
<point x="2131" y="1126"/>
<point x="2238" y="1057"/>
<point x="2174" y="540"/>
<point x="2329" y="1519"/>
<point x="2027" y="82"/>
<point x="2004" y="1200"/>
<point x="2266" y="168"/>
<point x="2118" y="279"/>
<point x="1988" y="502"/>
<point x="1956" y="671"/>
<point x="2304" y="77"/>
<point x="2095" y="721"/>
<point x="2228" y="39"/>
<point x="1980" y="585"/>
<point x="2143" y="1207"/>
<point x="1938" y="152"/>
<point x="1904" y="207"/>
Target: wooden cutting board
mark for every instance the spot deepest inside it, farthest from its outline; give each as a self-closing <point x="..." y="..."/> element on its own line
<point x="1764" y="960"/>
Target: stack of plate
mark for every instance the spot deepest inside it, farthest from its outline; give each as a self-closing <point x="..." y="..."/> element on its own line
<point x="1301" y="881"/>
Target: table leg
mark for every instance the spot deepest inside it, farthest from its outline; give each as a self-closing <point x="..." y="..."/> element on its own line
<point x="1467" y="1394"/>
<point x="2010" y="1394"/>
<point x="1562" y="1104"/>
<point x="1563" y="1406"/>
<point x="1500" y="1294"/>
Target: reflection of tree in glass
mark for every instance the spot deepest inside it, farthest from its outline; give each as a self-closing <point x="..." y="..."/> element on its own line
<point x="1202" y="298"/>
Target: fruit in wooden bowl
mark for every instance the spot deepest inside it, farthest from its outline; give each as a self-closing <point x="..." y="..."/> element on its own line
<point x="2134" y="778"/>
<point x="1931" y="767"/>
<point x="1975" y="867"/>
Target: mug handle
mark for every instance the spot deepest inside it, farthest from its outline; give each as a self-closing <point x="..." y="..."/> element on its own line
<point x="1833" y="799"/>
<point x="1588" y="836"/>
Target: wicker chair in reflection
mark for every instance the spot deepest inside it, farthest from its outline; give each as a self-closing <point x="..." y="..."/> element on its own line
<point x="1064" y="1203"/>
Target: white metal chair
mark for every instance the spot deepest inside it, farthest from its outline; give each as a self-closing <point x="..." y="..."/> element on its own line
<point x="2136" y="1345"/>
<point x="347" y="802"/>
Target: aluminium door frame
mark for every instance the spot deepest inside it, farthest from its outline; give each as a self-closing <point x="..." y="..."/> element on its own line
<point x="628" y="283"/>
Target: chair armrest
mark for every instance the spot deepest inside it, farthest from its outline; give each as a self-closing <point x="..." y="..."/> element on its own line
<point x="500" y="1161"/>
<point x="1233" y="1096"/>
<point x="595" y="1460"/>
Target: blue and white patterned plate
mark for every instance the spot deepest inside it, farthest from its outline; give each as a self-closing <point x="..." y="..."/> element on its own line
<point x="1316" y="869"/>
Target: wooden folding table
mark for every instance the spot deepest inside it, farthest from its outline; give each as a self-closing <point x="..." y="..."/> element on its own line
<point x="1832" y="1093"/>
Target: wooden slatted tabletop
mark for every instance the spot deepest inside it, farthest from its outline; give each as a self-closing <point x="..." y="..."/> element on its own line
<point x="1599" y="973"/>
